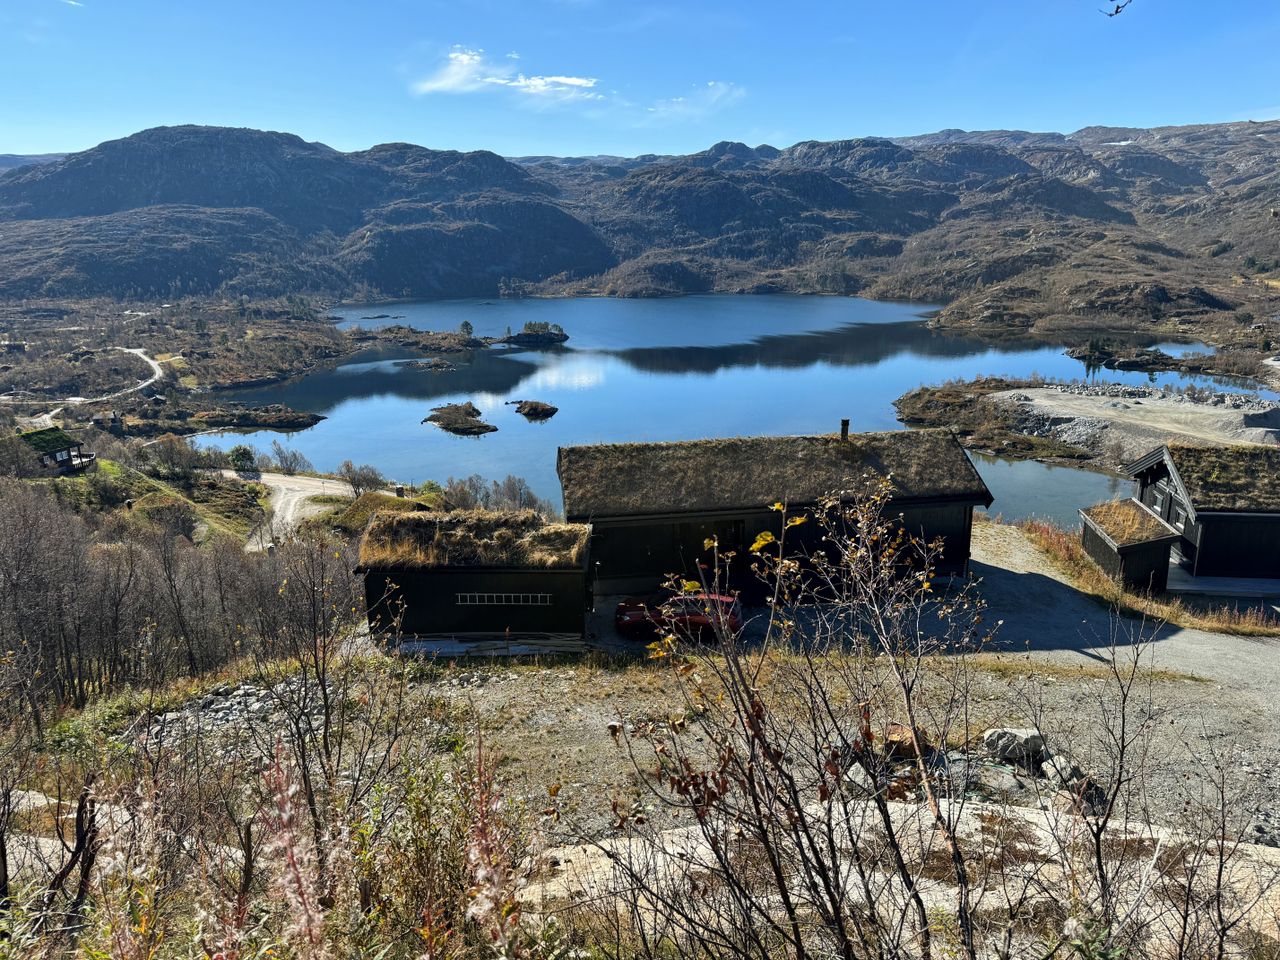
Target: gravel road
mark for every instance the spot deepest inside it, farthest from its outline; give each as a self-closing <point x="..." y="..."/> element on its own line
<point x="157" y="372"/>
<point x="291" y="503"/>
<point x="1220" y="698"/>
<point x="1052" y="620"/>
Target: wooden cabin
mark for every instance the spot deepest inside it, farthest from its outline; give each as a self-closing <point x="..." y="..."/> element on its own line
<point x="57" y="450"/>
<point x="1129" y="542"/>
<point x="652" y="506"/>
<point x="472" y="575"/>
<point x="1224" y="502"/>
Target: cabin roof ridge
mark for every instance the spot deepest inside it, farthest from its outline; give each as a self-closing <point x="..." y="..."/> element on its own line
<point x="746" y="473"/>
<point x="1221" y="478"/>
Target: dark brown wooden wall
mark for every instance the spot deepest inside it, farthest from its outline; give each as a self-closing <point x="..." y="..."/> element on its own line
<point x="639" y="557"/>
<point x="430" y="601"/>
<point x="1239" y="546"/>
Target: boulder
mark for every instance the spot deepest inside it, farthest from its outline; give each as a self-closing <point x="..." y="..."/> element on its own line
<point x="1015" y="745"/>
<point x="967" y="776"/>
<point x="893" y="783"/>
<point x="1061" y="771"/>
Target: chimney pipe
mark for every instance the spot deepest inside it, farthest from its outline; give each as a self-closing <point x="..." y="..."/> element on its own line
<point x="844" y="429"/>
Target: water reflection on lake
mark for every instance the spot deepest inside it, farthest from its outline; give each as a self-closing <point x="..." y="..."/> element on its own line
<point x="661" y="370"/>
<point x="1026" y="488"/>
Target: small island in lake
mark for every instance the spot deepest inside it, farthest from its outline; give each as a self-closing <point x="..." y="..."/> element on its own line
<point x="534" y="409"/>
<point x="434" y="364"/>
<point x="536" y="333"/>
<point x="462" y="419"/>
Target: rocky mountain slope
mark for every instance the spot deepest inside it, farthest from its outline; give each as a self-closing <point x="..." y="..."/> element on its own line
<point x="1009" y="229"/>
<point x="11" y="161"/>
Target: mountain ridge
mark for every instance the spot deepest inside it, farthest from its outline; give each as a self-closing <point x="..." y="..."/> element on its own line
<point x="1007" y="228"/>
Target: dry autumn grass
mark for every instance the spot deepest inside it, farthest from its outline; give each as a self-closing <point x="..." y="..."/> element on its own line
<point x="426" y="539"/>
<point x="1064" y="550"/>
<point x="1126" y="522"/>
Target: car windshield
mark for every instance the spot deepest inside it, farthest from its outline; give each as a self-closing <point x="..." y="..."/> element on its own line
<point x="695" y="605"/>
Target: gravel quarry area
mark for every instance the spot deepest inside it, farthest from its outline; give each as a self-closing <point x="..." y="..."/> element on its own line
<point x="1120" y="423"/>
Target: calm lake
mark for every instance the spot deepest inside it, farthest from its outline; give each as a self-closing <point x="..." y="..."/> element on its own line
<point x="706" y="366"/>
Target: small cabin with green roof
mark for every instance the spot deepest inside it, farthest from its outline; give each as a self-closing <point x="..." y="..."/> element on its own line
<point x="57" y="450"/>
<point x="475" y="575"/>
<point x="1129" y="542"/>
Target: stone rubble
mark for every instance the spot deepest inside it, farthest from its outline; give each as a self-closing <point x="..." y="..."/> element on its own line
<point x="1263" y="778"/>
<point x="1250" y="402"/>
<point x="1085" y="432"/>
<point x="1092" y="433"/>
<point x="1005" y="765"/>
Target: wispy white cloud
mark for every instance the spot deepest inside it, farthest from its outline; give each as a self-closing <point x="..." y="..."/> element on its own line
<point x="699" y="103"/>
<point x="468" y="70"/>
<point x="462" y="72"/>
<point x="556" y="86"/>
<point x="73" y="3"/>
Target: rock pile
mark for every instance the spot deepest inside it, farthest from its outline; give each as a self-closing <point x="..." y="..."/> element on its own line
<point x="1248" y="402"/>
<point x="1015" y="765"/>
<point x="231" y="710"/>
<point x="1262" y="776"/>
<point x="1006" y="765"/>
<point x="1085" y="432"/>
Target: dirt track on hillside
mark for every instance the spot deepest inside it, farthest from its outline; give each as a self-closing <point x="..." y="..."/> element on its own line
<point x="290" y="504"/>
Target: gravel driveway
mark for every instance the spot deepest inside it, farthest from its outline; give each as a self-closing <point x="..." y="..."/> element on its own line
<point x="290" y="503"/>
<point x="1052" y="620"/>
<point x="1221" y="698"/>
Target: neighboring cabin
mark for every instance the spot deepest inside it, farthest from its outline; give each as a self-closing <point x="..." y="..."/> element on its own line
<point x="1223" y="502"/>
<point x="1129" y="542"/>
<point x="652" y="506"/>
<point x="57" y="450"/>
<point x="472" y="575"/>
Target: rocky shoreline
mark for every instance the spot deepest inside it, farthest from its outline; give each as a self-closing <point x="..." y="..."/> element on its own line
<point x="1129" y="420"/>
<point x="1103" y="425"/>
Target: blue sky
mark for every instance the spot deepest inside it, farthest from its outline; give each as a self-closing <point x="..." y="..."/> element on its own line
<point x="623" y="76"/>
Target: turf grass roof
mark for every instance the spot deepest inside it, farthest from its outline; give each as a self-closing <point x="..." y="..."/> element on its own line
<point x="1243" y="478"/>
<point x="1128" y="523"/>
<point x="429" y="539"/>
<point x="49" y="440"/>
<point x="746" y="473"/>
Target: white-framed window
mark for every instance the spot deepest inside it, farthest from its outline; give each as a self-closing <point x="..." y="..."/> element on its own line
<point x="504" y="599"/>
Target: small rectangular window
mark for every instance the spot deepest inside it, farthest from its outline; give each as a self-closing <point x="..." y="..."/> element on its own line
<point x="503" y="599"/>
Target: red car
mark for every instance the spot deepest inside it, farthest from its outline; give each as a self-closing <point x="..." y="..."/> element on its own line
<point x="689" y="616"/>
